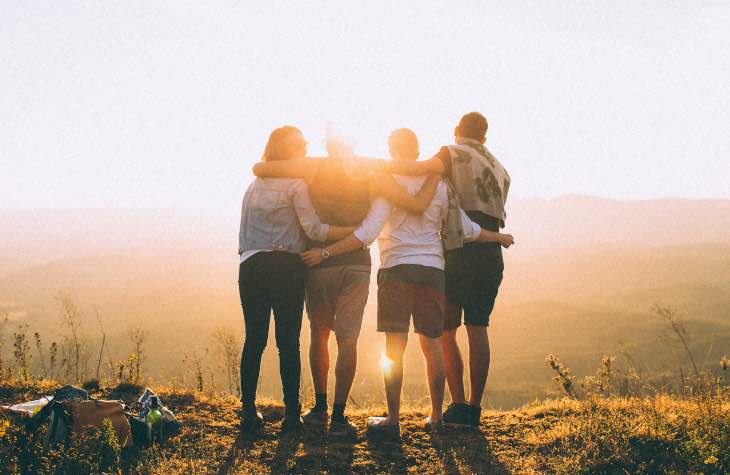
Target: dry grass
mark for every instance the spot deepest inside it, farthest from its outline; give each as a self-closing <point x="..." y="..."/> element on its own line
<point x="649" y="435"/>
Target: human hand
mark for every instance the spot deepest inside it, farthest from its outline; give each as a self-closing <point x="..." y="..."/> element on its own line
<point x="506" y="240"/>
<point x="312" y="257"/>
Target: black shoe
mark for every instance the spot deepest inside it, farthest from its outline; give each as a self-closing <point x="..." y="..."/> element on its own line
<point x="476" y="416"/>
<point x="316" y="418"/>
<point x="251" y="422"/>
<point x="342" y="427"/>
<point x="458" y="415"/>
<point x="292" y="420"/>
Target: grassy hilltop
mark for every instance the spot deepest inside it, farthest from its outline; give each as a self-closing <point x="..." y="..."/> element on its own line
<point x="660" y="434"/>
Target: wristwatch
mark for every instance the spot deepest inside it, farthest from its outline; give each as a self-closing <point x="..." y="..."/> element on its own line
<point x="325" y="254"/>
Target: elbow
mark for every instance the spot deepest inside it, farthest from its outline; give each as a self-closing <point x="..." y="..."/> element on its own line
<point x="363" y="238"/>
<point x="257" y="169"/>
<point x="321" y="233"/>
<point x="316" y="234"/>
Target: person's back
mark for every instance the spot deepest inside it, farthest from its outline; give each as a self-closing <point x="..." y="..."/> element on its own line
<point x="414" y="239"/>
<point x="340" y="200"/>
<point x="270" y="217"/>
<point x="480" y="180"/>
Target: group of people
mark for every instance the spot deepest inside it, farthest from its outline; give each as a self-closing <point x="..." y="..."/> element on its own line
<point x="306" y="224"/>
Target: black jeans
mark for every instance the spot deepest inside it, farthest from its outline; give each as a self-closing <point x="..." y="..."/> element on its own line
<point x="272" y="281"/>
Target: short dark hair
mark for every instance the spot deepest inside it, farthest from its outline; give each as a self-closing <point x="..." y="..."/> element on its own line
<point x="473" y="126"/>
<point x="403" y="140"/>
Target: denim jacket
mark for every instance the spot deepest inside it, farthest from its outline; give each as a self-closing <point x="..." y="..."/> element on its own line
<point x="277" y="215"/>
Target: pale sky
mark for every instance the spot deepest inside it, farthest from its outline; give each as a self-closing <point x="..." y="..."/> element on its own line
<point x="151" y="104"/>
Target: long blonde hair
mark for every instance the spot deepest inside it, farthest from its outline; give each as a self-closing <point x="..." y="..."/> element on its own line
<point x="275" y="147"/>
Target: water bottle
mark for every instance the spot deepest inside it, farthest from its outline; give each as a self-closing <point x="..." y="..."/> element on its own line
<point x="154" y="420"/>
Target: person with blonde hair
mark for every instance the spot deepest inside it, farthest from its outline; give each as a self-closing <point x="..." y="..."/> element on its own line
<point x="277" y="217"/>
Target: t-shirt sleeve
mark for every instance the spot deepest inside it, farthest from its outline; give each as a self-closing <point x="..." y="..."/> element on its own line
<point x="374" y="222"/>
<point x="308" y="219"/>
<point x="445" y="156"/>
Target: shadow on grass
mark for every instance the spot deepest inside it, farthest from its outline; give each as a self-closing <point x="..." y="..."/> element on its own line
<point x="387" y="454"/>
<point x="285" y="449"/>
<point x="241" y="445"/>
<point x="326" y="454"/>
<point x="470" y="447"/>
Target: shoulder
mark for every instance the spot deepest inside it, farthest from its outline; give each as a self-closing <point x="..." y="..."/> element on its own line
<point x="444" y="153"/>
<point x="491" y="155"/>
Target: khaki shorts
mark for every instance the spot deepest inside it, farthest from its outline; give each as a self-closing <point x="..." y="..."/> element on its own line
<point x="336" y="298"/>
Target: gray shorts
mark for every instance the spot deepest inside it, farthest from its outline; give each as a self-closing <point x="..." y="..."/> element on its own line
<point x="411" y="290"/>
<point x="336" y="298"/>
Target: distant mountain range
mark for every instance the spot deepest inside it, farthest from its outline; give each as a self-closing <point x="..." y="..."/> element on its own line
<point x="582" y="221"/>
<point x="539" y="225"/>
<point x="579" y="282"/>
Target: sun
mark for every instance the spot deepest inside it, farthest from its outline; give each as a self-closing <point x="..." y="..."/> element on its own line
<point x="386" y="364"/>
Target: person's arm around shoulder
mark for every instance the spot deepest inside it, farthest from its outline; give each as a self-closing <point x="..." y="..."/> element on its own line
<point x="434" y="165"/>
<point x="298" y="168"/>
<point x="364" y="235"/>
<point x="384" y="185"/>
<point x="308" y="218"/>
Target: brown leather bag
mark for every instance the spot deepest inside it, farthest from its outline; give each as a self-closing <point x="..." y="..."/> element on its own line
<point x="90" y="414"/>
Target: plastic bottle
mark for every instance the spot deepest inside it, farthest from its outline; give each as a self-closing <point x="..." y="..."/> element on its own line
<point x="154" y="420"/>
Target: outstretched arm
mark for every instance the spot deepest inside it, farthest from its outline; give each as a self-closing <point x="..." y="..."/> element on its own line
<point x="431" y="166"/>
<point x="298" y="168"/>
<point x="338" y="232"/>
<point x="473" y="232"/>
<point x="506" y="240"/>
<point x="384" y="185"/>
<point x="369" y="229"/>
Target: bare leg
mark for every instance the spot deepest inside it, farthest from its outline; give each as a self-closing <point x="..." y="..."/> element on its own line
<point x="431" y="348"/>
<point x="319" y="359"/>
<point x="395" y="346"/>
<point x="454" y="366"/>
<point x="479" y="358"/>
<point x="345" y="368"/>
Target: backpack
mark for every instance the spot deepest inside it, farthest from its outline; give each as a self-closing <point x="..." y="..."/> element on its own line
<point x="81" y="416"/>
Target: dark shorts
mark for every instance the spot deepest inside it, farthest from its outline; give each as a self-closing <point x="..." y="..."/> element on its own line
<point x="411" y="289"/>
<point x="473" y="276"/>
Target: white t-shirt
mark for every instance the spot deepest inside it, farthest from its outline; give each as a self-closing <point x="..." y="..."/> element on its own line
<point x="409" y="238"/>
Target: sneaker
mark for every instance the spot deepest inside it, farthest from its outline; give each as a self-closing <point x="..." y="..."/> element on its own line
<point x="251" y="422"/>
<point x="432" y="426"/>
<point x="458" y="415"/>
<point x="381" y="426"/>
<point x="476" y="416"/>
<point x="315" y="418"/>
<point x="342" y="427"/>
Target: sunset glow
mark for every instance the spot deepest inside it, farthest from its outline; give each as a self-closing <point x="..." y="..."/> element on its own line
<point x="385" y="364"/>
<point x="199" y="212"/>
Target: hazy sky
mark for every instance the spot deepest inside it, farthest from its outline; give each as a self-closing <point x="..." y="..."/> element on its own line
<point x="167" y="104"/>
